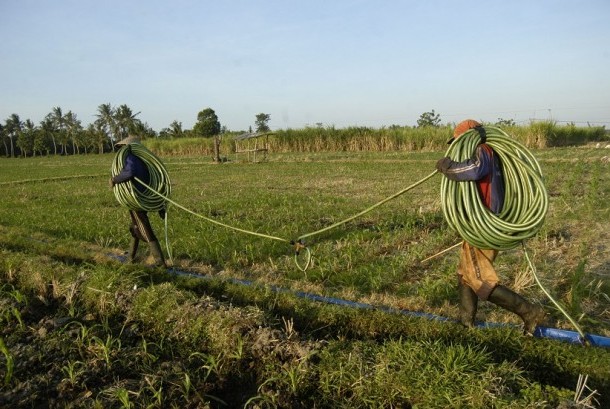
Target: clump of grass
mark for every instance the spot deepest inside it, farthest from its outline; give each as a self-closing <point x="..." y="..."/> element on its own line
<point x="389" y="375"/>
<point x="9" y="362"/>
<point x="105" y="289"/>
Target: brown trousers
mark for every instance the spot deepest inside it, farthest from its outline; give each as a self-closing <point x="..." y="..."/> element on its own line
<point x="140" y="226"/>
<point x="476" y="270"/>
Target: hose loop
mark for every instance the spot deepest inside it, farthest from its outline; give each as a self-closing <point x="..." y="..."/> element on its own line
<point x="526" y="198"/>
<point x="307" y="259"/>
<point x="159" y="185"/>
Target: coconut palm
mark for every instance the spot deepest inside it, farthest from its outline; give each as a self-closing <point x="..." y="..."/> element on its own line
<point x="106" y="121"/>
<point x="4" y="137"/>
<point x="61" y="131"/>
<point x="73" y="130"/>
<point x="96" y="137"/>
<point x="175" y="130"/>
<point x="12" y="128"/>
<point x="143" y="130"/>
<point x="126" y="121"/>
<point x="25" y="140"/>
<point x="42" y="139"/>
<point x="47" y="127"/>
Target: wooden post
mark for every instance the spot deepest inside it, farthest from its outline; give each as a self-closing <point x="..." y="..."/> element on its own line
<point x="216" y="149"/>
<point x="255" y="147"/>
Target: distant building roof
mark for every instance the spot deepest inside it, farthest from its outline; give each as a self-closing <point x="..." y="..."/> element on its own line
<point x="250" y="135"/>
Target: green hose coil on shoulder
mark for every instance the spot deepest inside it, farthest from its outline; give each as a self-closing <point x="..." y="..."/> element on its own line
<point x="127" y="194"/>
<point x="525" y="202"/>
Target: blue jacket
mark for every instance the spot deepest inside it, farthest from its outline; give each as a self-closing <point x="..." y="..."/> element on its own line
<point x="485" y="169"/>
<point x="133" y="167"/>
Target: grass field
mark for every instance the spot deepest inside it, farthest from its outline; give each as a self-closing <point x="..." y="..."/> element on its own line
<point x="116" y="335"/>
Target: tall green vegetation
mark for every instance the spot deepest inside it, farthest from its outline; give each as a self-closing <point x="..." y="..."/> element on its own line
<point x="62" y="133"/>
<point x="355" y="139"/>
<point x="393" y="139"/>
<point x="426" y="138"/>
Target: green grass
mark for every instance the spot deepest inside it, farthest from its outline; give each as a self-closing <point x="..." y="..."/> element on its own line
<point x="56" y="235"/>
<point x="373" y="259"/>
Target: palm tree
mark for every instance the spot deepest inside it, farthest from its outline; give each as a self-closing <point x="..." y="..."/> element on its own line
<point x="41" y="141"/>
<point x="94" y="138"/>
<point x="59" y="121"/>
<point x="73" y="130"/>
<point x="126" y="121"/>
<point x="97" y="136"/>
<point x="3" y="135"/>
<point x="13" y="128"/>
<point x="47" y="127"/>
<point x="106" y="121"/>
<point x="175" y="130"/>
<point x="25" y="140"/>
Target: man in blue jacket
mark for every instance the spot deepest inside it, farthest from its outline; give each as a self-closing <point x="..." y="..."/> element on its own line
<point x="477" y="277"/>
<point x="140" y="227"/>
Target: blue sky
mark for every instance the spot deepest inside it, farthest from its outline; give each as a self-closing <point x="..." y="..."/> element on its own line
<point x="342" y="63"/>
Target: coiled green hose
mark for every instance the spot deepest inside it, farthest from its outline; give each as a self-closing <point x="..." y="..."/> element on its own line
<point x="525" y="203"/>
<point x="127" y="194"/>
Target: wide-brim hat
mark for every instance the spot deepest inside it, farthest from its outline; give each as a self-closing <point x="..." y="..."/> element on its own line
<point x="128" y="140"/>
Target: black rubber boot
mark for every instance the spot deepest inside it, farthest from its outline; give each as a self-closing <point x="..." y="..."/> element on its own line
<point x="134" y="249"/>
<point x="468" y="304"/>
<point x="531" y="314"/>
<point x="155" y="251"/>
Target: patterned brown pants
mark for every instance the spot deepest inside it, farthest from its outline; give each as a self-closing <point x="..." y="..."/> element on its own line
<point x="476" y="269"/>
<point x="140" y="226"/>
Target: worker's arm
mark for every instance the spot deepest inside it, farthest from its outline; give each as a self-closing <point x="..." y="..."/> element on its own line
<point x="474" y="168"/>
<point x="128" y="171"/>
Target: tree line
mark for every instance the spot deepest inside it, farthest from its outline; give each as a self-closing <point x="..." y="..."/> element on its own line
<point x="62" y="133"/>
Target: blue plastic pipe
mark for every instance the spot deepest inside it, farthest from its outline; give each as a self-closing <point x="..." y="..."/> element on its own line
<point x="541" y="332"/>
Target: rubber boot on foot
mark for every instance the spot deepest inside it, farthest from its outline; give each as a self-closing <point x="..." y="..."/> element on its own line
<point x="133" y="249"/>
<point x="531" y="314"/>
<point x="155" y="251"/>
<point x="468" y="304"/>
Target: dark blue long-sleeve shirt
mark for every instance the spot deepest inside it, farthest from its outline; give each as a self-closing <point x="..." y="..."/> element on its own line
<point x="133" y="167"/>
<point x="486" y="169"/>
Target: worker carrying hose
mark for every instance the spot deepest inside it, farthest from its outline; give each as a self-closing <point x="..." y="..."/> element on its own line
<point x="477" y="277"/>
<point x="140" y="228"/>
